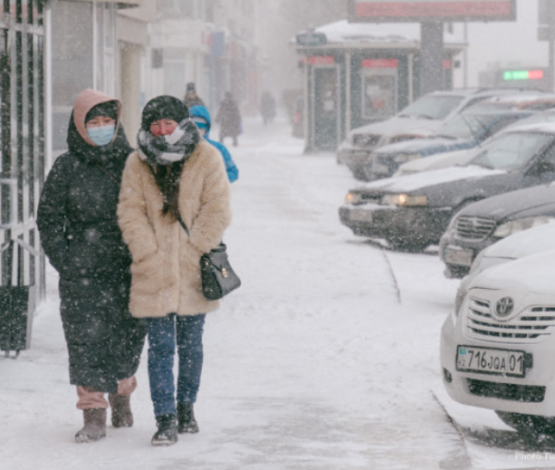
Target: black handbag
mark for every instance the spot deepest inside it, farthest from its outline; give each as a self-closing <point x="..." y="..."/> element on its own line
<point x="218" y="277"/>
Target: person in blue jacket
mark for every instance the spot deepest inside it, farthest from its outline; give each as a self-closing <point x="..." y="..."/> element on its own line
<point x="201" y="117"/>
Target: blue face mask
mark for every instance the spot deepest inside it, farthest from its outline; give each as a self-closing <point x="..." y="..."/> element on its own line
<point x="102" y="135"/>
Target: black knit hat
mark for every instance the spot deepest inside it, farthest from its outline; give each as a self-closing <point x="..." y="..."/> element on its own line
<point x="108" y="108"/>
<point x="163" y="107"/>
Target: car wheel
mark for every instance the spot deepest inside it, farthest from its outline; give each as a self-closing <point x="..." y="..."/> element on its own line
<point x="410" y="246"/>
<point x="528" y="424"/>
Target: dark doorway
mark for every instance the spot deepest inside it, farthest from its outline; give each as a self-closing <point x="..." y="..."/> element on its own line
<point x="326" y="107"/>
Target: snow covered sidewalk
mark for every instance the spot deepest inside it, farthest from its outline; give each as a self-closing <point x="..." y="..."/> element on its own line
<point x="317" y="362"/>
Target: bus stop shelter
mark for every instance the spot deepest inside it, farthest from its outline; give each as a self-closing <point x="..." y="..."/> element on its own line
<point x="359" y="73"/>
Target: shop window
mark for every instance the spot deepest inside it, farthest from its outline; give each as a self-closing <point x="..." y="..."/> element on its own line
<point x="379" y="89"/>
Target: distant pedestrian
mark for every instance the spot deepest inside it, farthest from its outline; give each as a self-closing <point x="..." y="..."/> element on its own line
<point x="229" y="119"/>
<point x="80" y="235"/>
<point x="267" y="107"/>
<point x="201" y="117"/>
<point x="191" y="97"/>
<point x="174" y="176"/>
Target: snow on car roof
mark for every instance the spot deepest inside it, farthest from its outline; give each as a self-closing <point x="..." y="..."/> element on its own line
<point x="343" y="31"/>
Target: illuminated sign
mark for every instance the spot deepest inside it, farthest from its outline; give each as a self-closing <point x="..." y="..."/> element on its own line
<point x="380" y="63"/>
<point x="523" y="75"/>
<point x="422" y="10"/>
<point x="321" y="60"/>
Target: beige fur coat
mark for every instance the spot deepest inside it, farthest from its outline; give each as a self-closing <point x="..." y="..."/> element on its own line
<point x="166" y="262"/>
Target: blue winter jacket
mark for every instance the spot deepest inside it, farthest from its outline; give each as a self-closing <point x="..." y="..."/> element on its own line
<point x="201" y="112"/>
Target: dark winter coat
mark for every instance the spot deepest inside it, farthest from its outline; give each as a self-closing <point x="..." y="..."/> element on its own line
<point x="80" y="235"/>
<point x="229" y="118"/>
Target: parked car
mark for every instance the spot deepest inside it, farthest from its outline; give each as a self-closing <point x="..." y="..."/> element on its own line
<point x="412" y="212"/>
<point x="485" y="222"/>
<point x="460" y="157"/>
<point x="497" y="346"/>
<point x="419" y="119"/>
<point x="462" y="132"/>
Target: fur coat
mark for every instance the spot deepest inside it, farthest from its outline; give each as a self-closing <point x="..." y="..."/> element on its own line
<point x="166" y="262"/>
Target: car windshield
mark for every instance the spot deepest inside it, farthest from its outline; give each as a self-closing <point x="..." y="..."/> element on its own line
<point x="464" y="126"/>
<point x="432" y="107"/>
<point x="511" y="151"/>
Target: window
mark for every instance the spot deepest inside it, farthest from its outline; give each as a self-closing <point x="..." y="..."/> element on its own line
<point x="187" y="8"/>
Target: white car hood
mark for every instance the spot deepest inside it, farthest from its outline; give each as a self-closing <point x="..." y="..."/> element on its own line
<point x="429" y="178"/>
<point x="533" y="273"/>
<point x="526" y="243"/>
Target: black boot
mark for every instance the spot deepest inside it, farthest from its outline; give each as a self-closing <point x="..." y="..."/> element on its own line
<point x="95" y="426"/>
<point x="167" y="431"/>
<point x="122" y="417"/>
<point x="186" y="422"/>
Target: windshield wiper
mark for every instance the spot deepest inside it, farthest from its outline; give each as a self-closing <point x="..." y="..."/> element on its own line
<point x="423" y="116"/>
<point x="482" y="165"/>
<point x="444" y="136"/>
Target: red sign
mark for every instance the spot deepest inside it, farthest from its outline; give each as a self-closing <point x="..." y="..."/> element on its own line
<point x="380" y="63"/>
<point x="321" y="60"/>
<point x="418" y="10"/>
<point x="535" y="74"/>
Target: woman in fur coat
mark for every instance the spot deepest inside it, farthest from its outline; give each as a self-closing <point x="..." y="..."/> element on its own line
<point x="174" y="174"/>
<point x="80" y="235"/>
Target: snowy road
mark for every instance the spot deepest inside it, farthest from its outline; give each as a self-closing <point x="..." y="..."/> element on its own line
<point x="326" y="358"/>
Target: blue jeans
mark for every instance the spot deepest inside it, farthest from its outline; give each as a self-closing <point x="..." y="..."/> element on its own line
<point x="163" y="335"/>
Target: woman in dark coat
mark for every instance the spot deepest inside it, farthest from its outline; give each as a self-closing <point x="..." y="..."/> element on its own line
<point x="80" y="235"/>
<point x="229" y="119"/>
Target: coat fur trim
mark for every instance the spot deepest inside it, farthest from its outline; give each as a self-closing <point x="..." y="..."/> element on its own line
<point x="166" y="262"/>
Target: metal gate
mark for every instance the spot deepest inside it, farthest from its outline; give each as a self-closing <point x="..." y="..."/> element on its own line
<point x="22" y="147"/>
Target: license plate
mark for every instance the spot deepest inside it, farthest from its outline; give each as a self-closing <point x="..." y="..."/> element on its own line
<point x="458" y="256"/>
<point x="492" y="361"/>
<point x="359" y="215"/>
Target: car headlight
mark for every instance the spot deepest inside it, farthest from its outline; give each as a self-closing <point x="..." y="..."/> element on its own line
<point x="405" y="200"/>
<point x="353" y="198"/>
<point x="406" y="157"/>
<point x="515" y="226"/>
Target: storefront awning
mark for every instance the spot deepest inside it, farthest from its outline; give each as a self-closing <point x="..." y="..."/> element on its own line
<point x="345" y="35"/>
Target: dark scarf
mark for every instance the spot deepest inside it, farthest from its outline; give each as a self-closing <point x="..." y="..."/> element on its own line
<point x="166" y="156"/>
<point x="168" y="149"/>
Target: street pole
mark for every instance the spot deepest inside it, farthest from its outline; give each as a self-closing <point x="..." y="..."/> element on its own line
<point x="431" y="57"/>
